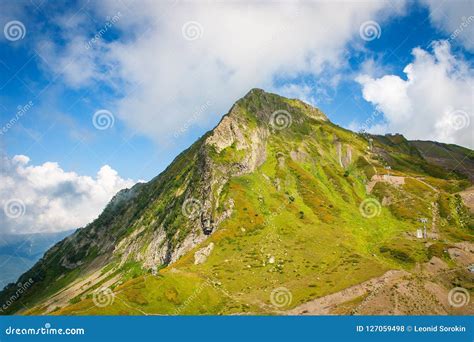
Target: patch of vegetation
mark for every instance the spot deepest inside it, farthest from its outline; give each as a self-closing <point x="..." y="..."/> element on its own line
<point x="407" y="252"/>
<point x="131" y="270"/>
<point x="440" y="250"/>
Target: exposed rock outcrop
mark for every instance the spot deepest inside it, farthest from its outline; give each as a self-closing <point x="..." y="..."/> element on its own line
<point x="201" y="255"/>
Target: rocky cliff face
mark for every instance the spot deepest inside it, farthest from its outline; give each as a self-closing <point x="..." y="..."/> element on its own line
<point x="274" y="192"/>
<point x="158" y="222"/>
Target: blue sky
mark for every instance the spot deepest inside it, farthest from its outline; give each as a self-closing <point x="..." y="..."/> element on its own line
<point x="166" y="72"/>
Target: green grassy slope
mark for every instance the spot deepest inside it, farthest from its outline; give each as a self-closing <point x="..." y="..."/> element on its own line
<point x="302" y="220"/>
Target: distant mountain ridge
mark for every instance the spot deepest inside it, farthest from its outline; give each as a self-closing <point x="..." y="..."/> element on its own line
<point x="274" y="197"/>
<point x="19" y="252"/>
<point x="448" y="156"/>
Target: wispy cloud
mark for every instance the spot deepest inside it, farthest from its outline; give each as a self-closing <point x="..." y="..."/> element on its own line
<point x="172" y="57"/>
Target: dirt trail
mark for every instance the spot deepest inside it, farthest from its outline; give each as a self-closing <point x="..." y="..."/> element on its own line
<point x="63" y="297"/>
<point x="325" y="305"/>
<point x="394" y="180"/>
<point x="419" y="179"/>
<point x="424" y="290"/>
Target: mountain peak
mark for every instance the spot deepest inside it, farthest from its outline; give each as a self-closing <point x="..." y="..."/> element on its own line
<point x="259" y="113"/>
<point x="255" y="91"/>
<point x="273" y="196"/>
<point x="265" y="106"/>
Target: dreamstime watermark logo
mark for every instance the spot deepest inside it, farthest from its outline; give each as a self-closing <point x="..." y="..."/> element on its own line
<point x="21" y="110"/>
<point x="280" y="119"/>
<point x="191" y="298"/>
<point x="46" y="330"/>
<point x="192" y="30"/>
<point x="194" y="118"/>
<point x="370" y="30"/>
<point x="286" y="25"/>
<point x="458" y="297"/>
<point x="21" y="289"/>
<point x="281" y="297"/>
<point x="14" y="30"/>
<point x="103" y="296"/>
<point x="369" y="121"/>
<point x="458" y="119"/>
<point x="103" y="119"/>
<point x="268" y="222"/>
<point x="14" y="208"/>
<point x="207" y="283"/>
<point x="464" y="24"/>
<point x="370" y="208"/>
<point x="110" y="21"/>
<point x="191" y="208"/>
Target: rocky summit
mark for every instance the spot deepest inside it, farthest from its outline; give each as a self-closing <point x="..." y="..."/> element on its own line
<point x="274" y="211"/>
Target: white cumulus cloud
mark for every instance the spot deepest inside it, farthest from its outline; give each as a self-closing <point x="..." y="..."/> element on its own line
<point x="455" y="18"/>
<point x="434" y="102"/>
<point x="174" y="57"/>
<point x="45" y="198"/>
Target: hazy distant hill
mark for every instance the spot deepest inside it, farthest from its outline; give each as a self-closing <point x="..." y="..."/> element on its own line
<point x="19" y="252"/>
